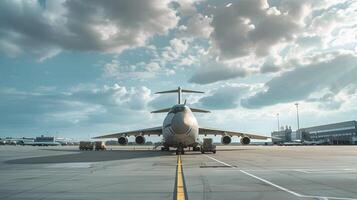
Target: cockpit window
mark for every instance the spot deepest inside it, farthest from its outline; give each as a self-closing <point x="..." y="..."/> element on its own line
<point x="177" y="109"/>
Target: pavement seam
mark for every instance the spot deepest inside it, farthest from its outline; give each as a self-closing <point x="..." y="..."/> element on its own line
<point x="280" y="187"/>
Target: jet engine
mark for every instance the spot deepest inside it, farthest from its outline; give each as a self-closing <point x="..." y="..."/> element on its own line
<point x="226" y="139"/>
<point x="245" y="140"/>
<point x="123" y="140"/>
<point x="140" y="139"/>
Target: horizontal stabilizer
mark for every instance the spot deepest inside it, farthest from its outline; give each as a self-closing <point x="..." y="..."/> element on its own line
<point x="179" y="91"/>
<point x="165" y="110"/>
<point x="199" y="110"/>
<point x="168" y="91"/>
<point x="191" y="91"/>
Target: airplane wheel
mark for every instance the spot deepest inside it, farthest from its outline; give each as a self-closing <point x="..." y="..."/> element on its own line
<point x="165" y="149"/>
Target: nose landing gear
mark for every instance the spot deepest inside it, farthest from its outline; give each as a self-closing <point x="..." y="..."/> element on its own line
<point x="180" y="150"/>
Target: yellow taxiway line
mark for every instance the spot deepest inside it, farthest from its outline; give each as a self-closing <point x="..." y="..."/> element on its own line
<point x="180" y="185"/>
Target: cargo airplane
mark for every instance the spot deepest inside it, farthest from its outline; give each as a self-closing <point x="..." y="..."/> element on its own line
<point x="180" y="128"/>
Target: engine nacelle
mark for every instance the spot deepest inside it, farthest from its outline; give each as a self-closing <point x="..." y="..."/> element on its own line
<point x="245" y="140"/>
<point x="140" y="139"/>
<point x="123" y="140"/>
<point x="226" y="139"/>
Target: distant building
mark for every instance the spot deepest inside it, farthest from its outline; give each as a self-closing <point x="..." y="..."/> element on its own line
<point x="45" y="139"/>
<point x="281" y="136"/>
<point x="295" y="136"/>
<point x="337" y="133"/>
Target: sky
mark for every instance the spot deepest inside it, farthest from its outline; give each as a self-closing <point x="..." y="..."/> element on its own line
<point x="81" y="68"/>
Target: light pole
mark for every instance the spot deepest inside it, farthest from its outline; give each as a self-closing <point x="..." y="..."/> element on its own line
<point x="277" y="116"/>
<point x="297" y="115"/>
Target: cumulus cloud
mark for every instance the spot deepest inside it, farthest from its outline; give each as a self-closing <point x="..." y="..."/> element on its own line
<point x="246" y="39"/>
<point x="247" y="27"/>
<point x="114" y="96"/>
<point x="110" y="26"/>
<point x="212" y="71"/>
<point x="333" y="74"/>
<point x="188" y="7"/>
<point x="78" y="106"/>
<point x="179" y="46"/>
<point x="176" y="49"/>
<point x="328" y="101"/>
<point x="181" y="52"/>
<point x="140" y="70"/>
<point x="197" y="26"/>
<point x="274" y="36"/>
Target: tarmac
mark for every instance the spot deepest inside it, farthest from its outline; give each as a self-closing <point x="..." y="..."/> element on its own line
<point x="138" y="172"/>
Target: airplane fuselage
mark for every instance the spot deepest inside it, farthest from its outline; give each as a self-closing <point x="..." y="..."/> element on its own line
<point x="180" y="128"/>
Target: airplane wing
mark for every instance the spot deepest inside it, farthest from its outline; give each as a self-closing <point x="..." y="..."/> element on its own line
<point x="147" y="131"/>
<point x="210" y="131"/>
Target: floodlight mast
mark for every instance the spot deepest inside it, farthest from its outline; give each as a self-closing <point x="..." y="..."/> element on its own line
<point x="277" y="116"/>
<point x="297" y="115"/>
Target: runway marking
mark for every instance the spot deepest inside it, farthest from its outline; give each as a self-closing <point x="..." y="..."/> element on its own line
<point x="270" y="183"/>
<point x="220" y="161"/>
<point x="280" y="187"/>
<point x="300" y="170"/>
<point x="292" y="192"/>
<point x="180" y="189"/>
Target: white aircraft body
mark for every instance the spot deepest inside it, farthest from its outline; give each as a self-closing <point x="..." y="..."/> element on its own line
<point x="180" y="128"/>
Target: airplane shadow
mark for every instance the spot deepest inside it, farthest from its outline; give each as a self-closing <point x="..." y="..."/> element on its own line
<point x="235" y="149"/>
<point x="100" y="156"/>
<point x="91" y="156"/>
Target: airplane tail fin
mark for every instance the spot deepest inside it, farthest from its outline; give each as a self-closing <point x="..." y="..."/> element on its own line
<point x="179" y="91"/>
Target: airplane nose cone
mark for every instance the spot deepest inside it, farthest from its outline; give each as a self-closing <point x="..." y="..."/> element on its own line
<point x="180" y="123"/>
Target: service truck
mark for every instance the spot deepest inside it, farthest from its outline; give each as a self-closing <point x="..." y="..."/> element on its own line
<point x="100" y="145"/>
<point x="86" y="145"/>
<point x="208" y="146"/>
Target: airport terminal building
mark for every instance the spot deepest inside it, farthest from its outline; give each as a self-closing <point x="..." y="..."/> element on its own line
<point x="281" y="136"/>
<point x="337" y="133"/>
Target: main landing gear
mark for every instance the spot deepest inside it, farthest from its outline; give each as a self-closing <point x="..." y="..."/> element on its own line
<point x="165" y="148"/>
<point x="196" y="149"/>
